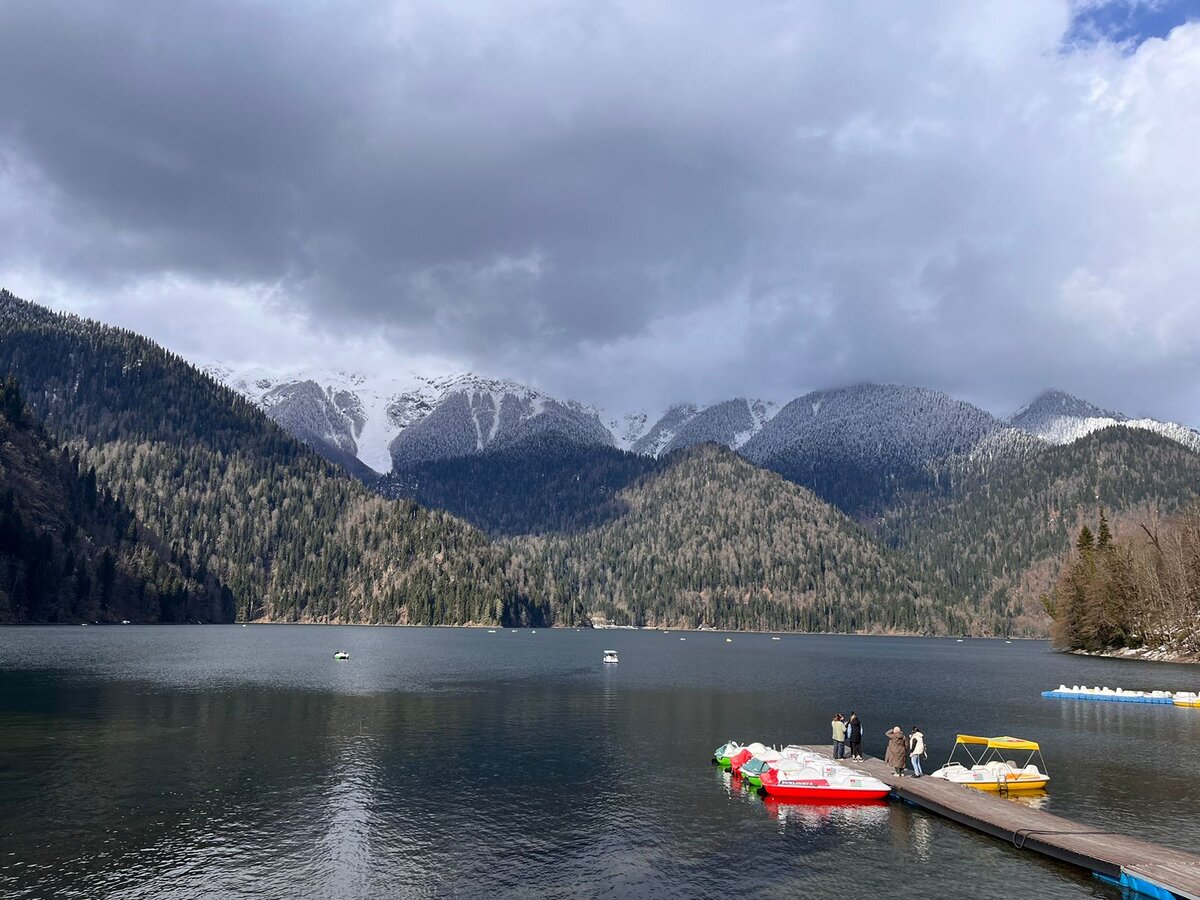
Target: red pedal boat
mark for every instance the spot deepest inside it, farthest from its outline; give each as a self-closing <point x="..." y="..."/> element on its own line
<point x="832" y="783"/>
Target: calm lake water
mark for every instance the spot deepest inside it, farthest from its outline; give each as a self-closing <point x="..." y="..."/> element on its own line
<point x="221" y="761"/>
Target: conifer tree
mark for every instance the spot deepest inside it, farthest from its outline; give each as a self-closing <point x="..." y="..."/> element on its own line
<point x="1104" y="536"/>
<point x="1086" y="544"/>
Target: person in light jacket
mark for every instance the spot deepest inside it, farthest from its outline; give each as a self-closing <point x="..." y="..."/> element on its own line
<point x="916" y="750"/>
<point x="839" y="736"/>
<point x="896" y="750"/>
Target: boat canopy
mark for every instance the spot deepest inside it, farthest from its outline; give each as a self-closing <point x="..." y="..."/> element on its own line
<point x="999" y="743"/>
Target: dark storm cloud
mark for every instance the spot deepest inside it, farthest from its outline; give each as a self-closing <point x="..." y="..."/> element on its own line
<point x="621" y="200"/>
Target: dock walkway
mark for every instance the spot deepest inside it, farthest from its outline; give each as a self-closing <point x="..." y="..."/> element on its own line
<point x="1148" y="868"/>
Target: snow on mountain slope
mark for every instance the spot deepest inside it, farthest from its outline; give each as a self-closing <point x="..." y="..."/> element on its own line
<point x="840" y="442"/>
<point x="866" y="432"/>
<point x="1059" y="418"/>
<point x="731" y="423"/>
<point x="911" y="424"/>
<point x="628" y="429"/>
<point x="383" y="420"/>
<point x="355" y="414"/>
<point x="476" y="414"/>
<point x="654" y="441"/>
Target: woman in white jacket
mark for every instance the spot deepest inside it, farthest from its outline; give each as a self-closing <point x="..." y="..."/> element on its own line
<point x="916" y="750"/>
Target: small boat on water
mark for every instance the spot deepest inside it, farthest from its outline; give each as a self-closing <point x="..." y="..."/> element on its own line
<point x="753" y="769"/>
<point x="988" y="770"/>
<point x="610" y="656"/>
<point x="722" y="754"/>
<point x="341" y="654"/>
<point x="829" y="783"/>
<point x="744" y="755"/>
<point x="1186" y="698"/>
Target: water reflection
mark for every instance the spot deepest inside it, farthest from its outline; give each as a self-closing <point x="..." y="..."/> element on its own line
<point x="178" y="763"/>
<point x="1032" y="799"/>
<point x="814" y="814"/>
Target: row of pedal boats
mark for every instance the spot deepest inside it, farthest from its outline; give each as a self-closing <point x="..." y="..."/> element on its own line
<point x="797" y="773"/>
<point x="983" y="763"/>
<point x="1120" y="695"/>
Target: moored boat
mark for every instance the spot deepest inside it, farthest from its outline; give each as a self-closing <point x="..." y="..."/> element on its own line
<point x="813" y="782"/>
<point x="1186" y="698"/>
<point x="722" y="754"/>
<point x="988" y="770"/>
<point x="744" y="755"/>
<point x="755" y="767"/>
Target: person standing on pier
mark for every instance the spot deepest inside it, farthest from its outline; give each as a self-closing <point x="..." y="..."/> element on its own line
<point x="896" y="751"/>
<point x="916" y="750"/>
<point x="854" y="732"/>
<point x="839" y="736"/>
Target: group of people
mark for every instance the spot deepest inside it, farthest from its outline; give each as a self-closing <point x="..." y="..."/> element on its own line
<point x="847" y="736"/>
<point x="902" y="749"/>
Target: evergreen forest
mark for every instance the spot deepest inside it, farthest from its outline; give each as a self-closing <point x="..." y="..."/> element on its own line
<point x="208" y="511"/>
<point x="70" y="551"/>
<point x="1137" y="591"/>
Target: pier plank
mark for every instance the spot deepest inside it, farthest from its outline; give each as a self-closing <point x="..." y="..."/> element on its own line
<point x="1095" y="848"/>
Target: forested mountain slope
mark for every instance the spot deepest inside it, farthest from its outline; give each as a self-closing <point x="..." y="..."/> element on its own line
<point x="710" y="539"/>
<point x="547" y="483"/>
<point x="999" y="531"/>
<point x="859" y="447"/>
<point x="293" y="538"/>
<point x="71" y="552"/>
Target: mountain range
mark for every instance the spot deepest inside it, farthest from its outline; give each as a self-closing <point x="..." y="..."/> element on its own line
<point x="867" y="508"/>
<point x="854" y="445"/>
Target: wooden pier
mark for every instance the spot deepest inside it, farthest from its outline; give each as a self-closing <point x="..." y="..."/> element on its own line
<point x="1140" y="865"/>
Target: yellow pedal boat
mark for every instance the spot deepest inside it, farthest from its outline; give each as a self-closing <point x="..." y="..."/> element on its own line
<point x="1186" y="698"/>
<point x="988" y="768"/>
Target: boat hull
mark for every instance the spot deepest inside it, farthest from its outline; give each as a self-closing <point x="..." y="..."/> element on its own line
<point x="824" y="792"/>
<point x="984" y="780"/>
<point x="1009" y="786"/>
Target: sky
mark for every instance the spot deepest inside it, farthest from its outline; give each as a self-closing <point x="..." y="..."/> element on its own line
<point x="623" y="202"/>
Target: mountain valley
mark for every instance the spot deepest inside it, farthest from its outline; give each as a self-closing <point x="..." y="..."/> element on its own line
<point x="899" y="508"/>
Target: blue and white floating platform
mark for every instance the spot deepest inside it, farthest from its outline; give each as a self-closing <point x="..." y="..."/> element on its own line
<point x="1118" y="695"/>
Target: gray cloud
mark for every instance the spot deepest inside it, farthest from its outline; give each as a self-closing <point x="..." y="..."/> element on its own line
<point x="619" y="200"/>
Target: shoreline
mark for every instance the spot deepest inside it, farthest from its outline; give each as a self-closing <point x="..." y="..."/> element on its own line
<point x="618" y="628"/>
<point x="1136" y="655"/>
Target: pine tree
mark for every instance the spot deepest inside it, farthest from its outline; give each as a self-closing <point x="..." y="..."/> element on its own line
<point x="1086" y="544"/>
<point x="1104" y="537"/>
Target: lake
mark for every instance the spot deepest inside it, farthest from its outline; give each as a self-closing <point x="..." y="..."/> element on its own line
<point x="222" y="762"/>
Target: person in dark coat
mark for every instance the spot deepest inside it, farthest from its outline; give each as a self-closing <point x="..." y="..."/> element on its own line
<point x="854" y="733"/>
<point x="897" y="750"/>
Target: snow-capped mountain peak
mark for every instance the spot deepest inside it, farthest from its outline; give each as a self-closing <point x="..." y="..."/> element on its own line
<point x="1060" y="418"/>
<point x="381" y="421"/>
